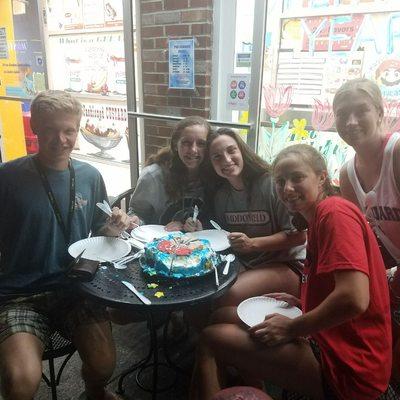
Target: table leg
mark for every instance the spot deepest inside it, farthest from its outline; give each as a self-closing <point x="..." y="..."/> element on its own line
<point x="132" y="369"/>
<point x="155" y="364"/>
<point x="165" y="349"/>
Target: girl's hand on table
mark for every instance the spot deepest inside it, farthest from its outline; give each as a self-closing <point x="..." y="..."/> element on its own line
<point x="290" y="299"/>
<point x="240" y="242"/>
<point x="174" y="226"/>
<point x="273" y="331"/>
<point x="192" y="226"/>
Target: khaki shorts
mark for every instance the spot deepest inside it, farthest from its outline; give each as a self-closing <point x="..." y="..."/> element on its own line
<point x="42" y="314"/>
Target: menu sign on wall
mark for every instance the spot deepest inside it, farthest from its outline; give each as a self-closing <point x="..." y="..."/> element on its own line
<point x="181" y="64"/>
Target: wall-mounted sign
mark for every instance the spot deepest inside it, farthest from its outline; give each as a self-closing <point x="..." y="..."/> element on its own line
<point x="3" y="44"/>
<point x="238" y="91"/>
<point x="181" y="63"/>
<point x="243" y="59"/>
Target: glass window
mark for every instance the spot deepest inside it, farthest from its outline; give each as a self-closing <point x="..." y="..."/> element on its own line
<point x="86" y="57"/>
<point x="312" y="48"/>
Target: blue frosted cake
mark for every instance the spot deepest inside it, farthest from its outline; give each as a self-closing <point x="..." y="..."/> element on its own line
<point x="179" y="256"/>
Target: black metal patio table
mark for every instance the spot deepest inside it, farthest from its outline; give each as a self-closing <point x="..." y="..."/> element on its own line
<point x="177" y="295"/>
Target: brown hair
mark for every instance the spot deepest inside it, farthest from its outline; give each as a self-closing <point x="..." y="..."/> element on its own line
<point x="366" y="86"/>
<point x="175" y="171"/>
<point x="253" y="165"/>
<point x="311" y="157"/>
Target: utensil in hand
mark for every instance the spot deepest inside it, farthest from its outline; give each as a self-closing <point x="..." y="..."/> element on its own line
<point x="108" y="208"/>
<point x="132" y="288"/>
<point x="195" y="213"/>
<point x="105" y="207"/>
<point x="215" y="225"/>
<point x="228" y="258"/>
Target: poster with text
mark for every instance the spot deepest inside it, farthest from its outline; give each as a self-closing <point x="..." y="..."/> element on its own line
<point x="89" y="63"/>
<point x="238" y="91"/>
<point x="181" y="63"/>
<point x="318" y="54"/>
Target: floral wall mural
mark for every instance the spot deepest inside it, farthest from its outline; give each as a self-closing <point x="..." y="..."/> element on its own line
<point x="319" y="133"/>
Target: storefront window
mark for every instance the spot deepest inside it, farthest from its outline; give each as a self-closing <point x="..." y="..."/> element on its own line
<point x="83" y="46"/>
<point x="312" y="48"/>
<point x="22" y="75"/>
<point x="86" y="57"/>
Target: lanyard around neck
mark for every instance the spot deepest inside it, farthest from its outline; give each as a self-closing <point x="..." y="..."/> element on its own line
<point x="66" y="229"/>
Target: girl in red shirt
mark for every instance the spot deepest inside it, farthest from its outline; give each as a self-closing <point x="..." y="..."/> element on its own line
<point x="340" y="348"/>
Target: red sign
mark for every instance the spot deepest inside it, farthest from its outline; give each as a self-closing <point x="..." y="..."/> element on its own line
<point x="337" y="33"/>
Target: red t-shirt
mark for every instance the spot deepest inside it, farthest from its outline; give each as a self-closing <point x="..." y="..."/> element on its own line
<point x="356" y="356"/>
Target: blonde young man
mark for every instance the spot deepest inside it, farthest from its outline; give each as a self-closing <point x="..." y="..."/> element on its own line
<point x="47" y="202"/>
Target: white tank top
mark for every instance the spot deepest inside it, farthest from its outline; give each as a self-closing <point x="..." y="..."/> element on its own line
<point x="381" y="205"/>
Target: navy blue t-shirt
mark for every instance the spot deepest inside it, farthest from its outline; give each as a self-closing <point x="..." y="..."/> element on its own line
<point x="32" y="245"/>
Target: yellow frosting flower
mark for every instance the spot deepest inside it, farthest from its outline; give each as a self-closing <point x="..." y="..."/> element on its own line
<point x="159" y="294"/>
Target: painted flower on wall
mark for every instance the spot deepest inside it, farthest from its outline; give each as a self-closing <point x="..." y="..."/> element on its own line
<point x="299" y="130"/>
<point x="277" y="99"/>
<point x="322" y="117"/>
<point x="392" y="116"/>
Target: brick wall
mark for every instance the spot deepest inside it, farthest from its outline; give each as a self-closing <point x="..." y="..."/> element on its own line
<point x="174" y="19"/>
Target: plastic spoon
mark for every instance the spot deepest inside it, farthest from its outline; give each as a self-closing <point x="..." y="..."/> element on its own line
<point x="228" y="258"/>
<point x="215" y="225"/>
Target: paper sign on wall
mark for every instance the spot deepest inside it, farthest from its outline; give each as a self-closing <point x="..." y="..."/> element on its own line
<point x="181" y="64"/>
<point x="238" y="91"/>
<point x="3" y="43"/>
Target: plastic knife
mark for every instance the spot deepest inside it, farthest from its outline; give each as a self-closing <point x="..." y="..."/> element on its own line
<point x="132" y="288"/>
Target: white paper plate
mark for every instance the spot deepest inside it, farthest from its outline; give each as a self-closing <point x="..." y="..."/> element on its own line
<point x="253" y="311"/>
<point x="100" y="248"/>
<point x="218" y="239"/>
<point x="146" y="233"/>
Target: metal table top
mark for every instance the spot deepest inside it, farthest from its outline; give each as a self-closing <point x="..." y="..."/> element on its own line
<point x="178" y="293"/>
